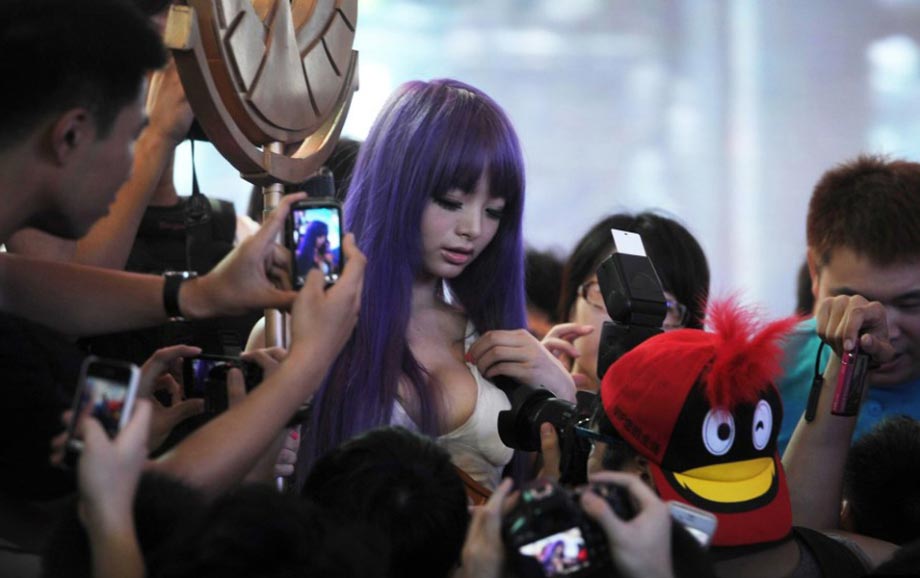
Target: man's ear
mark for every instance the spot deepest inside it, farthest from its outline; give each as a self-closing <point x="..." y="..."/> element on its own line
<point x="71" y="131"/>
<point x="813" y="271"/>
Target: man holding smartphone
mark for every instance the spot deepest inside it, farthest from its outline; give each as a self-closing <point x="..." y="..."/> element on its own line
<point x="863" y="231"/>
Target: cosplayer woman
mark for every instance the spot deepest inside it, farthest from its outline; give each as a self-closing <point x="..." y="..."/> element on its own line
<point x="436" y="204"/>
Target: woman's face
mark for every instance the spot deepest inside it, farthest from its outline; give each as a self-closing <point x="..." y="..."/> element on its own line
<point x="589" y="309"/>
<point x="457" y="227"/>
<point x="320" y="241"/>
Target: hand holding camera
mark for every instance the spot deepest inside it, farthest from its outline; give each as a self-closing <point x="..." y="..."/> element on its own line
<point x="640" y="545"/>
<point x="550" y="533"/>
<point x="846" y="322"/>
<point x="249" y="277"/>
<point x="857" y="331"/>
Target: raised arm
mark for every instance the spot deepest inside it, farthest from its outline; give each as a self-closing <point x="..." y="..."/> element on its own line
<point x="815" y="458"/>
<point x="109" y="242"/>
<point x="80" y="300"/>
<point x="221" y="453"/>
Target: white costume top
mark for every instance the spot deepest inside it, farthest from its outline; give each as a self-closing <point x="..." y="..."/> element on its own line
<point x="474" y="447"/>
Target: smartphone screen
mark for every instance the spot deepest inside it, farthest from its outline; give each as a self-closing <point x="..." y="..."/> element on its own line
<point x="559" y="554"/>
<point x="106" y="392"/>
<point x="314" y="237"/>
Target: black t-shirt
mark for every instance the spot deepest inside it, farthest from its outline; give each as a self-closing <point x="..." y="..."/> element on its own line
<point x="39" y="369"/>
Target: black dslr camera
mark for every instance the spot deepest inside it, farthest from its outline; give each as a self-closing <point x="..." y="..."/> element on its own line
<point x="636" y="304"/>
<point x="547" y="533"/>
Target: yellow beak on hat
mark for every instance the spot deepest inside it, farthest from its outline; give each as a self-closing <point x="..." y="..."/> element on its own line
<point x="732" y="482"/>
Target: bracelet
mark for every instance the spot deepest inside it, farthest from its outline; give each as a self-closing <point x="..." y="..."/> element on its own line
<point x="173" y="280"/>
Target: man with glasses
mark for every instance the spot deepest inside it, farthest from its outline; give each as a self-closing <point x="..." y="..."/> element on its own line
<point x="863" y="231"/>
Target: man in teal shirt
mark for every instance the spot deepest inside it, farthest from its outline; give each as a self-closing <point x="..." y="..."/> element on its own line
<point x="863" y="232"/>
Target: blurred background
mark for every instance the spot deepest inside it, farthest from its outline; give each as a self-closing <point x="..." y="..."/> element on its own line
<point x="721" y="113"/>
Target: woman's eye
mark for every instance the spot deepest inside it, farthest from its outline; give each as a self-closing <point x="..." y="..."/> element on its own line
<point x="496" y="214"/>
<point x="448" y="204"/>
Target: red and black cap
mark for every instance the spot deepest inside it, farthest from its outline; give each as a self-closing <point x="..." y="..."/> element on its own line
<point x="702" y="408"/>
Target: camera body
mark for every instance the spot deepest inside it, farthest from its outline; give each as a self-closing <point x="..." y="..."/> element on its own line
<point x="547" y="533"/>
<point x="205" y="376"/>
<point x="851" y="382"/>
<point x="313" y="234"/>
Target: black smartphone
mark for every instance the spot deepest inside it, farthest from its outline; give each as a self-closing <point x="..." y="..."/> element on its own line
<point x="106" y="391"/>
<point x="205" y="376"/>
<point x="313" y="234"/>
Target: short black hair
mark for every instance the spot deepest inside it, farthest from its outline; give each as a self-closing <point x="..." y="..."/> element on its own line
<point x="543" y="281"/>
<point x="870" y="205"/>
<point x="404" y="484"/>
<point x="676" y="254"/>
<point x="256" y="531"/>
<point x="881" y="481"/>
<point x="64" y="54"/>
<point x="162" y="505"/>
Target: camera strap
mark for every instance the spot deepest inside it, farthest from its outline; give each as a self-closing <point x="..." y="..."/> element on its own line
<point x="198" y="235"/>
<point x="814" y="395"/>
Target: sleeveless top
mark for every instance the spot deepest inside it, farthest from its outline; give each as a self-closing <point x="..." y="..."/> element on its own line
<point x="474" y="447"/>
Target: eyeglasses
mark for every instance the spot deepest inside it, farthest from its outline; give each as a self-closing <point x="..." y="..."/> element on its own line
<point x="675" y="318"/>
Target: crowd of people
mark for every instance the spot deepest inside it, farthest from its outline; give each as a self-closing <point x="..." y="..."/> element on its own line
<point x="722" y="445"/>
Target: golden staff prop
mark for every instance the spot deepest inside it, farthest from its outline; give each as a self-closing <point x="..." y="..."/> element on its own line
<point x="270" y="82"/>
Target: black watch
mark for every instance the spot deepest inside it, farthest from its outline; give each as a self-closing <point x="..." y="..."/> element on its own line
<point x="173" y="280"/>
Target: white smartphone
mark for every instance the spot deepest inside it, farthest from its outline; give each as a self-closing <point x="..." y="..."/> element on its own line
<point x="700" y="523"/>
<point x="106" y="391"/>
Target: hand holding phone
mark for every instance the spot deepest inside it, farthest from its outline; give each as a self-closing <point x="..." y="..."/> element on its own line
<point x="700" y="523"/>
<point x="313" y="234"/>
<point x="106" y="392"/>
<point x="205" y="376"/>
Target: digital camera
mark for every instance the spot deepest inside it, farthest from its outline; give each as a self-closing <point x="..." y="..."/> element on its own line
<point x="547" y="534"/>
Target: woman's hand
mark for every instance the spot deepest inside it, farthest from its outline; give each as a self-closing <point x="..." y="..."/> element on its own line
<point x="560" y="341"/>
<point x="518" y="354"/>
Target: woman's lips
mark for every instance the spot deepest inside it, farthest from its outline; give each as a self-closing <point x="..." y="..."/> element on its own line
<point x="457" y="256"/>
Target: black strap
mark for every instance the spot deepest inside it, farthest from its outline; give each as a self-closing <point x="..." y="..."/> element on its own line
<point x="197" y="225"/>
<point x="814" y="395"/>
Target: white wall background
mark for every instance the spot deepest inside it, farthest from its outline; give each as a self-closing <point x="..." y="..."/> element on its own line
<point x="722" y="113"/>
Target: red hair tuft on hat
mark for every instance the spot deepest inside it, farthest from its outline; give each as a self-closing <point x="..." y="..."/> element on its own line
<point x="747" y="353"/>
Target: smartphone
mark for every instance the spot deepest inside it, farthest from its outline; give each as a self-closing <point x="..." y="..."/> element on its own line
<point x="198" y="371"/>
<point x="106" y="391"/>
<point x="700" y="523"/>
<point x="313" y="234"/>
<point x="851" y="381"/>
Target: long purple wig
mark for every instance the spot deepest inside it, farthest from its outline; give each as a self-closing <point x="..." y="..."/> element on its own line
<point x="430" y="138"/>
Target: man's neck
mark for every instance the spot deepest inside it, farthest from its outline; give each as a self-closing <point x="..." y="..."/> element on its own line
<point x="20" y="189"/>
